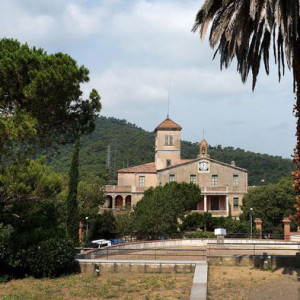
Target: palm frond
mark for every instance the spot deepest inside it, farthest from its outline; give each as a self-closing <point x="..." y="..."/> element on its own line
<point x="246" y="29"/>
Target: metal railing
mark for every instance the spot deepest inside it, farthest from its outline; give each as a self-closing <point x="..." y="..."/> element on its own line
<point x="152" y="253"/>
<point x="211" y="249"/>
<point x="216" y="249"/>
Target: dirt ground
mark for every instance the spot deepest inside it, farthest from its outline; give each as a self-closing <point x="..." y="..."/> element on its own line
<point x="109" y="286"/>
<point x="252" y="284"/>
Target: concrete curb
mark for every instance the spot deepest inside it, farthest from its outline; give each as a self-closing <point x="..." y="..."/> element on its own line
<point x="199" y="287"/>
<point x="142" y="261"/>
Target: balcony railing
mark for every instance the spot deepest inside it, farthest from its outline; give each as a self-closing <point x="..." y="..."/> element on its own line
<point x="118" y="189"/>
<point x="209" y="189"/>
<point x="214" y="213"/>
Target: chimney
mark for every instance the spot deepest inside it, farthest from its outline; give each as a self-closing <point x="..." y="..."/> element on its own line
<point x="233" y="163"/>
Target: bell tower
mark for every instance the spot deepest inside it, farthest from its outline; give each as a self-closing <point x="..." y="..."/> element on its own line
<point x="167" y="144"/>
<point x="203" y="149"/>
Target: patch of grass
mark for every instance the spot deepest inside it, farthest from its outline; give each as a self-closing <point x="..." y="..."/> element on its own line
<point x="109" y="286"/>
<point x="240" y="281"/>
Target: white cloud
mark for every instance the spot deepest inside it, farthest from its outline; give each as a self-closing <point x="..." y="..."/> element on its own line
<point x="133" y="47"/>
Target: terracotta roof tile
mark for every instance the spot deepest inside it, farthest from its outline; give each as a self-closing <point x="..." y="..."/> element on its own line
<point x="168" y="124"/>
<point x="145" y="168"/>
<point x="182" y="161"/>
<point x="148" y="168"/>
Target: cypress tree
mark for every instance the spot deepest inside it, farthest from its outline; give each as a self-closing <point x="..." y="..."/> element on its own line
<point x="72" y="204"/>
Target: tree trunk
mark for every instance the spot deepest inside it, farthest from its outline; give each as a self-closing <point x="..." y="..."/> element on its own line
<point x="72" y="205"/>
<point x="296" y="173"/>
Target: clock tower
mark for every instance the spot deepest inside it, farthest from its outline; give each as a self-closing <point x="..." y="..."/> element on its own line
<point x="204" y="165"/>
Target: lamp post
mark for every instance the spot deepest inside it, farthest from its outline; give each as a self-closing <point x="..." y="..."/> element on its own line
<point x="87" y="226"/>
<point x="251" y="210"/>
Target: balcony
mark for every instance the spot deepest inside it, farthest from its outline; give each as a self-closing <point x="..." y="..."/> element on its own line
<point x="212" y="189"/>
<point x="117" y="189"/>
<point x="216" y="205"/>
<point x="214" y="213"/>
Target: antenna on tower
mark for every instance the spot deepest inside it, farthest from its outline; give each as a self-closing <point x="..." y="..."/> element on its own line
<point x="203" y="133"/>
<point x="169" y="97"/>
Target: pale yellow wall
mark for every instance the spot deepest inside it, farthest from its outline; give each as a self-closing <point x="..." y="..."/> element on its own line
<point x="132" y="179"/>
<point x="225" y="176"/>
<point x="235" y="212"/>
<point x="136" y="198"/>
<point x="164" y="152"/>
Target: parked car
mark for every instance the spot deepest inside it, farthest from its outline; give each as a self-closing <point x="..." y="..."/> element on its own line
<point x="117" y="241"/>
<point x="101" y="243"/>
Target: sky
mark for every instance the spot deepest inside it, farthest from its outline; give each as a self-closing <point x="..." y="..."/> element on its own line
<point x="136" y="49"/>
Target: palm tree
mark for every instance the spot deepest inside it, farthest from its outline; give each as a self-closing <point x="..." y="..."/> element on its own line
<point x="248" y="30"/>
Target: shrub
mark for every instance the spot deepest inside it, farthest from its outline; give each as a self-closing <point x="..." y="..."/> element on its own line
<point x="51" y="258"/>
<point x="194" y="220"/>
<point x="199" y="235"/>
<point x="103" y="227"/>
<point x="234" y="228"/>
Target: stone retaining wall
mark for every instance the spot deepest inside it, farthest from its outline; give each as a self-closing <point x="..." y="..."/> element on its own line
<point x="257" y="261"/>
<point x="99" y="267"/>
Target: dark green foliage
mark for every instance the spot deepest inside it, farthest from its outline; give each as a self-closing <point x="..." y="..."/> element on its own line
<point x="125" y="225"/>
<point x="28" y="195"/>
<point x="271" y="203"/>
<point x="199" y="235"/>
<point x="135" y="146"/>
<point x="128" y="143"/>
<point x="51" y="258"/>
<point x="40" y="105"/>
<point x="234" y="228"/>
<point x="103" y="227"/>
<point x="46" y="87"/>
<point x="206" y="222"/>
<point x="157" y="213"/>
<point x="90" y="196"/>
<point x="29" y="192"/>
<point x="5" y="252"/>
<point x="72" y="203"/>
<point x="194" y="221"/>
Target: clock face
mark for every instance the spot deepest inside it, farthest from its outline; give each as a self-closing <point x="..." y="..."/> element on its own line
<point x="203" y="166"/>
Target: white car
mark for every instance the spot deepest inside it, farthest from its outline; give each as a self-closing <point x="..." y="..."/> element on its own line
<point x="102" y="243"/>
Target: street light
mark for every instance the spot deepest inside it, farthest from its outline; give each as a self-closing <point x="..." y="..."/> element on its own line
<point x="87" y="226"/>
<point x="251" y="210"/>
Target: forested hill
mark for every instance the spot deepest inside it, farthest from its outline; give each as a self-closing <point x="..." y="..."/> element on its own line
<point x="131" y="145"/>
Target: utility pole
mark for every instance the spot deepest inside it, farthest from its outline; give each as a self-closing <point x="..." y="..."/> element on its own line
<point x="115" y="164"/>
<point x="251" y="210"/>
<point x="108" y="156"/>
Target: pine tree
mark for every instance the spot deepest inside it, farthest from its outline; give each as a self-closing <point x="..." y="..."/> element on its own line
<point x="72" y="204"/>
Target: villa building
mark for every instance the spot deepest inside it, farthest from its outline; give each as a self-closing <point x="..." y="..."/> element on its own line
<point x="222" y="185"/>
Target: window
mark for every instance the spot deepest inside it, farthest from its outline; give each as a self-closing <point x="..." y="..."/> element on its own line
<point x="214" y="180"/>
<point x="142" y="181"/>
<point x="169" y="140"/>
<point x="235" y="180"/>
<point x="193" y="179"/>
<point x="235" y="203"/>
<point x="171" y="178"/>
<point x="169" y="162"/>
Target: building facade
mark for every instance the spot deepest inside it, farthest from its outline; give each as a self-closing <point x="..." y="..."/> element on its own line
<point x="222" y="185"/>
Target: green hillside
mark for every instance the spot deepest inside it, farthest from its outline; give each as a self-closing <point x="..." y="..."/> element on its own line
<point x="131" y="145"/>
